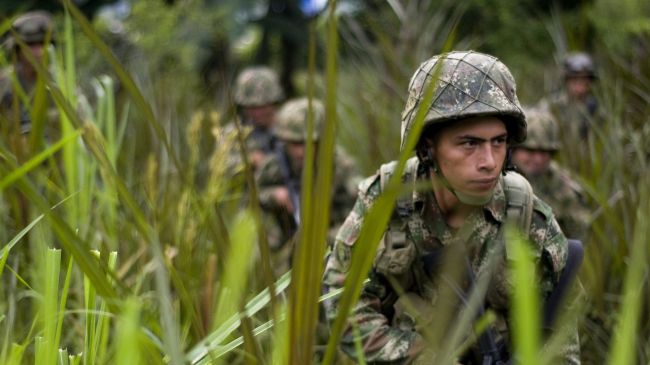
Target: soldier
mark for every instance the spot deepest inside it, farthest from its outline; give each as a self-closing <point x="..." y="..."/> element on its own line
<point x="471" y="120"/>
<point x="257" y="95"/>
<point x="575" y="105"/>
<point x="36" y="30"/>
<point x="553" y="184"/>
<point x="279" y="178"/>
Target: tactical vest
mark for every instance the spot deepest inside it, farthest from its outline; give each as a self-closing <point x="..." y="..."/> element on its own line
<point x="396" y="252"/>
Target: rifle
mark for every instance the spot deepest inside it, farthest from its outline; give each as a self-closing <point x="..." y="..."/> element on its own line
<point x="493" y="353"/>
<point x="292" y="184"/>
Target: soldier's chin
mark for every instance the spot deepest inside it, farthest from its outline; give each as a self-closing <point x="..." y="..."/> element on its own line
<point x="475" y="199"/>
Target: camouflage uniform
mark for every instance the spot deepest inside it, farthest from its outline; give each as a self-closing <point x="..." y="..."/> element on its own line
<point x="281" y="225"/>
<point x="555" y="186"/>
<point x="468" y="84"/>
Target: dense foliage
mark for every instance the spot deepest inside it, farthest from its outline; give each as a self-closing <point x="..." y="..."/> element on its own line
<point x="124" y="238"/>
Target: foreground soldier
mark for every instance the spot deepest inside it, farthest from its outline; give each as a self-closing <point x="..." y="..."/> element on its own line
<point x="257" y="96"/>
<point x="469" y="124"/>
<point x="279" y="178"/>
<point x="552" y="183"/>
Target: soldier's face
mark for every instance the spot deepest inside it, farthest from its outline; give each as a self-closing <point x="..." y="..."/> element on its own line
<point x="262" y="116"/>
<point x="578" y="87"/>
<point x="296" y="152"/>
<point x="471" y="153"/>
<point x="36" y="50"/>
<point x="531" y="162"/>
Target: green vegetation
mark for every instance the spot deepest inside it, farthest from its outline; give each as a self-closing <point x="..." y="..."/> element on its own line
<point x="124" y="240"/>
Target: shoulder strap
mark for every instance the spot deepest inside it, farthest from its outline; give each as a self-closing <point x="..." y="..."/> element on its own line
<point x="519" y="198"/>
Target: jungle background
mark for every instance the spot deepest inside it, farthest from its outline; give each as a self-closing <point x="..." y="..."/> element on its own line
<point x="124" y="241"/>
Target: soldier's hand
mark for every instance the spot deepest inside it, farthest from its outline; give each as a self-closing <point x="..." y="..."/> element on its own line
<point x="282" y="198"/>
<point x="256" y="157"/>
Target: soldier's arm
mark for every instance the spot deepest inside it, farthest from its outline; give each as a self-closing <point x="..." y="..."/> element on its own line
<point x="380" y="341"/>
<point x="548" y="237"/>
<point x="268" y="179"/>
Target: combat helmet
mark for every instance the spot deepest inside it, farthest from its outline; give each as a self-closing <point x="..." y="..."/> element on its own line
<point x="291" y="122"/>
<point x="579" y="64"/>
<point x="542" y="131"/>
<point x="257" y="86"/>
<point x="32" y="27"/>
<point x="466" y="84"/>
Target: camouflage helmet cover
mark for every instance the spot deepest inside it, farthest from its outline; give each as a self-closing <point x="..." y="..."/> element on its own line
<point x="467" y="84"/>
<point x="579" y="64"/>
<point x="542" y="131"/>
<point x="32" y="27"/>
<point x="257" y="86"/>
<point x="291" y="123"/>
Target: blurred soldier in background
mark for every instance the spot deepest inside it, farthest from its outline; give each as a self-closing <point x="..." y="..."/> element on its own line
<point x="19" y="82"/>
<point x="551" y="183"/>
<point x="257" y="96"/>
<point x="279" y="178"/>
<point x="575" y="107"/>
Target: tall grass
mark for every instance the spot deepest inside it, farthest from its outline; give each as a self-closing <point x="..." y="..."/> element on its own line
<point x="157" y="269"/>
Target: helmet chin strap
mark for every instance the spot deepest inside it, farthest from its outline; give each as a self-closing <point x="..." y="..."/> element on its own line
<point x="463" y="198"/>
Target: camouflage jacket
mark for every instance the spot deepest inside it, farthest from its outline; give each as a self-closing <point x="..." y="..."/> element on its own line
<point x="383" y="338"/>
<point x="344" y="190"/>
<point x="565" y="196"/>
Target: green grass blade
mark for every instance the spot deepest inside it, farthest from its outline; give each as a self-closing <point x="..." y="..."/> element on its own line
<point x="50" y="306"/>
<point x="127" y="348"/>
<point x="309" y="253"/>
<point x="213" y="341"/>
<point x="125" y="79"/>
<point x="4" y="253"/>
<point x="623" y="350"/>
<point x="525" y="299"/>
<point x="37" y="160"/>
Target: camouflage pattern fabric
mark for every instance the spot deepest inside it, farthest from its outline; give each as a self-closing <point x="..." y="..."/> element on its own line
<point x="257" y="86"/>
<point x="280" y="224"/>
<point x="386" y="341"/>
<point x="565" y="196"/>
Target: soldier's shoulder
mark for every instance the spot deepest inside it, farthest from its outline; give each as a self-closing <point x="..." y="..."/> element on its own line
<point x="5" y="81"/>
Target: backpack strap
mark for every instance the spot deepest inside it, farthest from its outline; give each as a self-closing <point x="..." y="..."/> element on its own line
<point x="396" y="251"/>
<point x="519" y="198"/>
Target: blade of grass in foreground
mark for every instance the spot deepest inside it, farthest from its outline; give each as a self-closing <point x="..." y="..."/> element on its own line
<point x="125" y="79"/>
<point x="214" y="340"/>
<point x="310" y="250"/>
<point x="525" y="299"/>
<point x="50" y="308"/>
<point x="127" y="349"/>
<point x="623" y="349"/>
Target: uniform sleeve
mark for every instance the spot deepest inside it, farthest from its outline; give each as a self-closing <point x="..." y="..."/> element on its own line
<point x="552" y="255"/>
<point x="381" y="342"/>
<point x="267" y="179"/>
